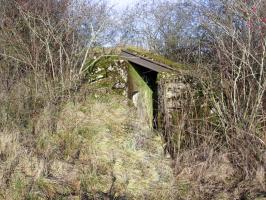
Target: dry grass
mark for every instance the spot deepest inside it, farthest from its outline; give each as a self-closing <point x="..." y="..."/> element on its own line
<point x="98" y="150"/>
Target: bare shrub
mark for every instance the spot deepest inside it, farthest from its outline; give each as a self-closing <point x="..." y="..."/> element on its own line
<point x="225" y="113"/>
<point x="162" y="26"/>
<point x="240" y="76"/>
<point x="42" y="50"/>
<point x="43" y="46"/>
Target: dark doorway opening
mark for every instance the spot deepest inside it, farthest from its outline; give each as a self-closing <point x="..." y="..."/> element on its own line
<point x="150" y="77"/>
<point x="147" y="69"/>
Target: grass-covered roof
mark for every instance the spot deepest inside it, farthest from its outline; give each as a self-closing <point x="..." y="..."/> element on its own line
<point x="155" y="57"/>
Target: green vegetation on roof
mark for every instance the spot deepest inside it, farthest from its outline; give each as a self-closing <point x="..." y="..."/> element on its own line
<point x="155" y="57"/>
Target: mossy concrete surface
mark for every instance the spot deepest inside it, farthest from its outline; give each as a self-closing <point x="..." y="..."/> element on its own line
<point x="144" y="97"/>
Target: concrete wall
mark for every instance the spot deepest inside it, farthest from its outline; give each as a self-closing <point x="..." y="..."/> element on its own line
<point x="142" y="96"/>
<point x="173" y="97"/>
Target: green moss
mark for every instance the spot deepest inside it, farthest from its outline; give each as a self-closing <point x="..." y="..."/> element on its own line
<point x="99" y="66"/>
<point x="105" y="73"/>
<point x="155" y="57"/>
<point x="141" y="86"/>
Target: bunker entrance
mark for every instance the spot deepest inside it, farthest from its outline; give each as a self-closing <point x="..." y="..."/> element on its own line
<point x="142" y="86"/>
<point x="150" y="78"/>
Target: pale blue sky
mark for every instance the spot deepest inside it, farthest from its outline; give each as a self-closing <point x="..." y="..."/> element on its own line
<point x="122" y="3"/>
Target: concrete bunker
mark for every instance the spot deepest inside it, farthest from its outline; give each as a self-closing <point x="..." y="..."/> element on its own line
<point x="142" y="85"/>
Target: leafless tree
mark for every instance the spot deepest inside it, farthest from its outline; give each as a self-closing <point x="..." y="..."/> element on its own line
<point x="162" y="26"/>
<point x="236" y="79"/>
<point x="43" y="47"/>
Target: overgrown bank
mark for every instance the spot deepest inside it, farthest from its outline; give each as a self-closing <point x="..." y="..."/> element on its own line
<point x="97" y="151"/>
<point x="66" y="131"/>
<point x="92" y="146"/>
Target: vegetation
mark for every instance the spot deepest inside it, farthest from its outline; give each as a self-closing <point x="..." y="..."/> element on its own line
<point x="67" y="131"/>
<point x="99" y="150"/>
